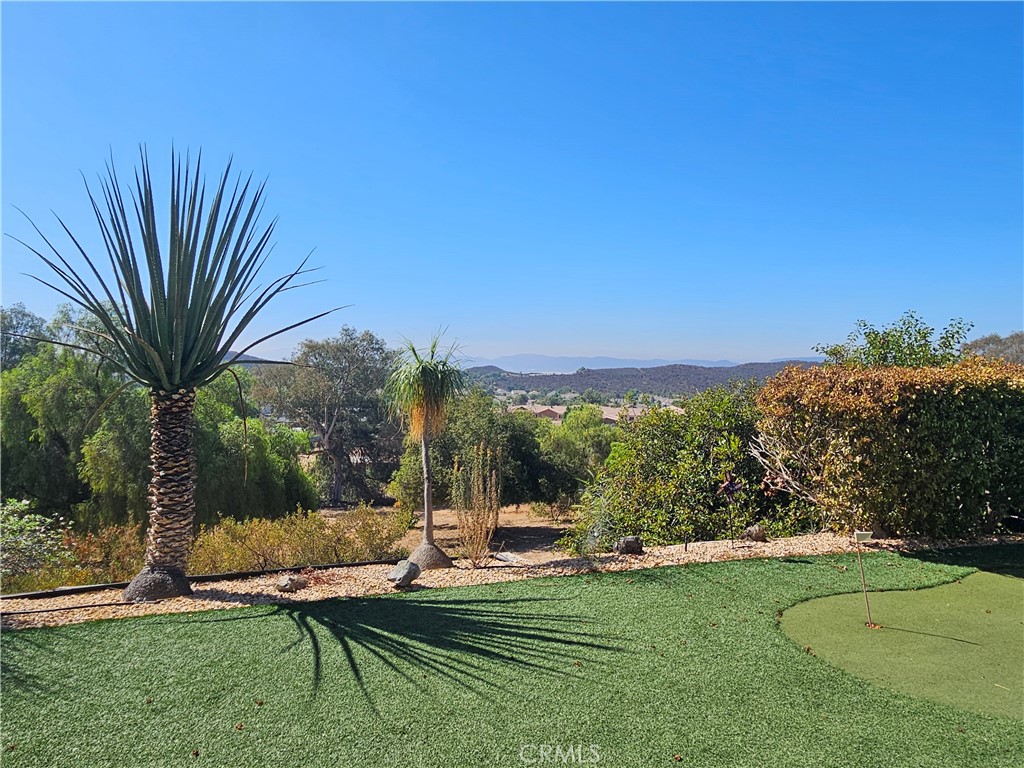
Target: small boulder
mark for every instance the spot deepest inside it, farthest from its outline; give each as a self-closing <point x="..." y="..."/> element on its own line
<point x="754" y="533"/>
<point x="291" y="583"/>
<point x="629" y="545"/>
<point x="404" y="574"/>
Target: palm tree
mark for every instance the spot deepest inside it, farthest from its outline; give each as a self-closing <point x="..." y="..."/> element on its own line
<point x="419" y="390"/>
<point x="169" y="323"/>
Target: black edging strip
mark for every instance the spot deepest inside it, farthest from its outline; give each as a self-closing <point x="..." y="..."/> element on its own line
<point x="85" y="588"/>
<point x="75" y="607"/>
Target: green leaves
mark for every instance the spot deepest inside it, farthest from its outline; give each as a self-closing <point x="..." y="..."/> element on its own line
<point x="907" y="342"/>
<point x="171" y="318"/>
<point x="422" y="385"/>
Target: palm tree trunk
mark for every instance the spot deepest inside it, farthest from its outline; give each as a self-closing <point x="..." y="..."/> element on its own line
<point x="428" y="554"/>
<point x="171" y="498"/>
<point x="428" y="501"/>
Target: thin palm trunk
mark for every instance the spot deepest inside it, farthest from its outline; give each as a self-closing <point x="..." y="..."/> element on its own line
<point x="172" y="488"/>
<point x="428" y="501"/>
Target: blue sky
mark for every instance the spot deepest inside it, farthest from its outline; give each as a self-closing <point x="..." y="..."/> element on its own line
<point x="670" y="180"/>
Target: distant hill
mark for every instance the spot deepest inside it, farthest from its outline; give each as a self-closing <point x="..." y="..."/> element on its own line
<point x="247" y="361"/>
<point x="663" y="380"/>
<point x="244" y="358"/>
<point x="528" y="363"/>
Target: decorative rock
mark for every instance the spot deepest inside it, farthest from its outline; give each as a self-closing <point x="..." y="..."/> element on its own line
<point x="754" y="533"/>
<point x="629" y="545"/>
<point x="428" y="556"/>
<point x="291" y="583"/>
<point x="404" y="574"/>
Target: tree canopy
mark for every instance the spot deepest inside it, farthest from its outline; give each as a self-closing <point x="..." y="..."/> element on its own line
<point x="907" y="342"/>
<point x="334" y="390"/>
<point x="1010" y="347"/>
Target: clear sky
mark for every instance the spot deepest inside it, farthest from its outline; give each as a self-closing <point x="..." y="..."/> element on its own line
<point x="670" y="180"/>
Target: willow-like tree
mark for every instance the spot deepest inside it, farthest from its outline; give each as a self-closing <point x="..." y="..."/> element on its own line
<point x="169" y="320"/>
<point x="419" y="390"/>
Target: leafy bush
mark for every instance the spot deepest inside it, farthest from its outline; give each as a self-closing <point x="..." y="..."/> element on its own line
<point x="934" y="451"/>
<point x="574" y="450"/>
<point x="112" y="553"/>
<point x="251" y="472"/>
<point x="28" y="541"/>
<point x="302" y="538"/>
<point x="42" y="553"/>
<point x="661" y="481"/>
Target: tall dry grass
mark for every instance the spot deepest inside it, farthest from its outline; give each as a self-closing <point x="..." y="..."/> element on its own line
<point x="476" y="493"/>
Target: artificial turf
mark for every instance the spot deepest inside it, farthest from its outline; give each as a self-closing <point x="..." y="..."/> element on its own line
<point x="673" y="666"/>
<point x="961" y="643"/>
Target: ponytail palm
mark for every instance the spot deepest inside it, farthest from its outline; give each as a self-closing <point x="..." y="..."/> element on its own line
<point x="169" y="320"/>
<point x="420" y="389"/>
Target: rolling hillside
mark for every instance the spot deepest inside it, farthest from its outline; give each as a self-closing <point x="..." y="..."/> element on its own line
<point x="665" y="380"/>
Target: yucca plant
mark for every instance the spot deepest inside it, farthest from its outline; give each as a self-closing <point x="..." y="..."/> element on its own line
<point x="169" y="321"/>
<point x="419" y="390"/>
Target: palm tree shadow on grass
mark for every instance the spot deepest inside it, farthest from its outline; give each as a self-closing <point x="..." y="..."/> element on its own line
<point x="460" y="640"/>
<point x="18" y="660"/>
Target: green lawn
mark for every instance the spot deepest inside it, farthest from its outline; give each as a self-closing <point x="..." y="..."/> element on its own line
<point x="962" y="643"/>
<point x="644" y="666"/>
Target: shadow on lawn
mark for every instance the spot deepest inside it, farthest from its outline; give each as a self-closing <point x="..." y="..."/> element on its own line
<point x="459" y="640"/>
<point x="455" y="639"/>
<point x="18" y="660"/>
<point x="1005" y="559"/>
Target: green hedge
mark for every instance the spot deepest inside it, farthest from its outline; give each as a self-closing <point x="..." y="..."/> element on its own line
<point x="936" y="451"/>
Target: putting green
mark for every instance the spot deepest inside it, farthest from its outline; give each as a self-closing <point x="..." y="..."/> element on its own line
<point x="961" y="644"/>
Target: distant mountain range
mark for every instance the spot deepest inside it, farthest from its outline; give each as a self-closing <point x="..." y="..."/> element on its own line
<point x="663" y="380"/>
<point x="529" y="363"/>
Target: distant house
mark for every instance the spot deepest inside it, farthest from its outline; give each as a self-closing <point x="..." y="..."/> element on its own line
<point x="610" y="414"/>
<point x="554" y="412"/>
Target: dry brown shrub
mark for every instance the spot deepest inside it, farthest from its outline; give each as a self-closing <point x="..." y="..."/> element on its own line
<point x="476" y="497"/>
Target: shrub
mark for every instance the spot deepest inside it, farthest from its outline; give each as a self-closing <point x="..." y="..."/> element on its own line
<point x="112" y="553"/>
<point x="476" y="418"/>
<point x="251" y="470"/>
<point x="51" y="555"/>
<point x="934" y="451"/>
<point x="661" y="481"/>
<point x="28" y="541"/>
<point x="476" y="497"/>
<point x="302" y="538"/>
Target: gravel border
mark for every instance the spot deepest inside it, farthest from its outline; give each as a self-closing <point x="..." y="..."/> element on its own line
<point x="361" y="581"/>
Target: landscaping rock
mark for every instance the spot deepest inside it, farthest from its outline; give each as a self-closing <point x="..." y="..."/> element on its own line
<point x="430" y="556"/>
<point x="754" y="533"/>
<point x="629" y="545"/>
<point x="404" y="574"/>
<point x="291" y="583"/>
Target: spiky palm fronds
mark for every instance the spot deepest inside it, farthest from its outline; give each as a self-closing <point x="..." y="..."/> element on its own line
<point x="421" y="387"/>
<point x="172" y="320"/>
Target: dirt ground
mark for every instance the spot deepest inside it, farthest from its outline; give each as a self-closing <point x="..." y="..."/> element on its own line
<point x="521" y="533"/>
